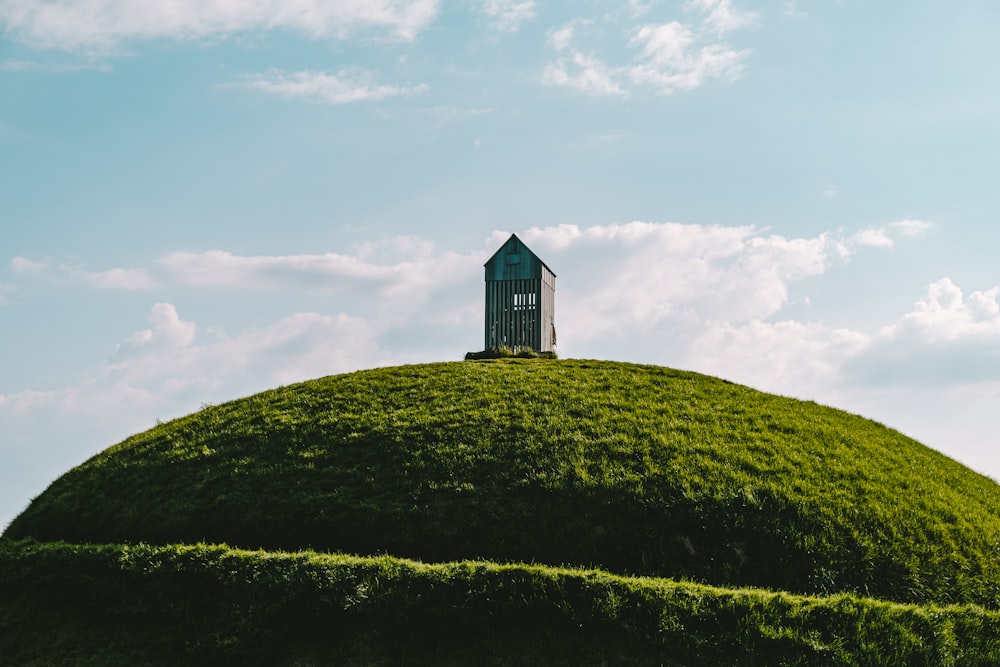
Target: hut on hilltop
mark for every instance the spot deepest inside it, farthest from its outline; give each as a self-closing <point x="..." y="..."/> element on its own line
<point x="520" y="300"/>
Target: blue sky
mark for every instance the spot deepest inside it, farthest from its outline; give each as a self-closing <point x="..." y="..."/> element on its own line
<point x="200" y="200"/>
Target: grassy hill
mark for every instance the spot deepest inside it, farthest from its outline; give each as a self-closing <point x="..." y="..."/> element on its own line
<point x="649" y="474"/>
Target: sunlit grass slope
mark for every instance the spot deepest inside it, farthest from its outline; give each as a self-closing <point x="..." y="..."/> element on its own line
<point x="637" y="470"/>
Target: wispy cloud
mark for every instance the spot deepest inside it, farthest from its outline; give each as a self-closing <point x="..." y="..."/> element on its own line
<point x="791" y="9"/>
<point x="669" y="57"/>
<point x="54" y="68"/>
<point x="400" y="270"/>
<point x="115" y="278"/>
<point x="343" y="87"/>
<point x="885" y="237"/>
<point x="910" y="228"/>
<point x="124" y="279"/>
<point x="508" y="15"/>
<point x="6" y="290"/>
<point x="583" y="73"/>
<point x="577" y="70"/>
<point x="399" y="279"/>
<point x="722" y="16"/>
<point x="609" y="137"/>
<point x="636" y="8"/>
<point x="104" y="26"/>
<point x="24" y="266"/>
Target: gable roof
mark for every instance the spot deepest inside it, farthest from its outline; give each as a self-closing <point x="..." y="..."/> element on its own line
<point x="515" y="261"/>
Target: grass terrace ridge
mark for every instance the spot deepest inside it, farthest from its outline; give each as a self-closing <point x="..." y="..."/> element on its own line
<point x="559" y="511"/>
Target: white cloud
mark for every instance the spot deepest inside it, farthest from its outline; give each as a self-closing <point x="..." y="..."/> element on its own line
<point x="298" y="347"/>
<point x="103" y="26"/>
<point x="343" y="87"/>
<point x="169" y="332"/>
<point x="670" y="59"/>
<point x="637" y="8"/>
<point x="24" y="266"/>
<point x="788" y="357"/>
<point x="218" y="268"/>
<point x="944" y="314"/>
<point x="884" y="237"/>
<point x="400" y="271"/>
<point x="671" y="56"/>
<point x="910" y="228"/>
<point x="117" y="278"/>
<point x="664" y="45"/>
<point x="948" y="339"/>
<point x="508" y="15"/>
<point x="721" y="16"/>
<point x="654" y="274"/>
<point x="562" y="38"/>
<point x="127" y="279"/>
<point x="577" y="70"/>
<point x="876" y="238"/>
<point x="583" y="73"/>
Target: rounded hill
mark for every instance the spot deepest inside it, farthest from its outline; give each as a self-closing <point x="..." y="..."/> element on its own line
<point x="634" y="469"/>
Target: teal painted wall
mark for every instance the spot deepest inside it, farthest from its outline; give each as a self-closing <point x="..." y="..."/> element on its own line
<point x="520" y="299"/>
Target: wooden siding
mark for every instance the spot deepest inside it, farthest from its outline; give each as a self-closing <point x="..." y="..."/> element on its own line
<point x="520" y="300"/>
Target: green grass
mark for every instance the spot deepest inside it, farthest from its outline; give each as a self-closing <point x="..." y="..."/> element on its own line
<point x="639" y="471"/>
<point x="509" y="353"/>
<point x="198" y="604"/>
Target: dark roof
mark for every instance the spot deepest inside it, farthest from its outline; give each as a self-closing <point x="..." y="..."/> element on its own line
<point x="525" y="264"/>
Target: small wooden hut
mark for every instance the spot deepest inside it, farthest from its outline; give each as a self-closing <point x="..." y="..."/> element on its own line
<point x="520" y="300"/>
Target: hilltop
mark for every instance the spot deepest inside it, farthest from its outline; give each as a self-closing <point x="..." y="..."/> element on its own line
<point x="642" y="472"/>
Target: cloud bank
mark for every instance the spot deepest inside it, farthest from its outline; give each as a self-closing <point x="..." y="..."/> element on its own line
<point x="709" y="298"/>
